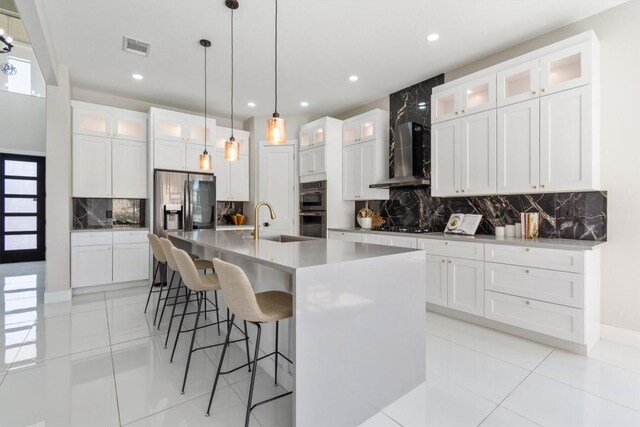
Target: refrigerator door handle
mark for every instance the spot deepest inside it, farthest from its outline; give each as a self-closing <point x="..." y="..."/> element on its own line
<point x="188" y="225"/>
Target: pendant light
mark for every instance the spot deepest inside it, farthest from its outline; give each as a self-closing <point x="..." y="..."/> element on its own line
<point x="205" y="157"/>
<point x="276" y="127"/>
<point x="231" y="146"/>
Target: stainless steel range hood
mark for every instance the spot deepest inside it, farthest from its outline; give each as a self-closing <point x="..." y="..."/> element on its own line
<point x="408" y="157"/>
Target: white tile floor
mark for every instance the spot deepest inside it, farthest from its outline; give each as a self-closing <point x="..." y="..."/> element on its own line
<point x="99" y="362"/>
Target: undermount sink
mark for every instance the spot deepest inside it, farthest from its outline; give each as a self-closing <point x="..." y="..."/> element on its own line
<point x="282" y="238"/>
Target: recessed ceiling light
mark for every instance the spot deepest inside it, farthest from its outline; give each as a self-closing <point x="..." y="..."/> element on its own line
<point x="251" y="104"/>
<point x="304" y="104"/>
<point x="137" y="76"/>
<point x="353" y="78"/>
<point x="433" y="37"/>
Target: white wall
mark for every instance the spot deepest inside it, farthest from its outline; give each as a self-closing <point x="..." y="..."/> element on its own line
<point x="619" y="32"/>
<point x="382" y="103"/>
<point x="58" y="186"/>
<point x="86" y="95"/>
<point x="22" y="123"/>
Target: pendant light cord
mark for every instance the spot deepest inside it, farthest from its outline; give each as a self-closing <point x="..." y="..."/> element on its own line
<point x="276" y="62"/>
<point x="232" y="138"/>
<point x="205" y="99"/>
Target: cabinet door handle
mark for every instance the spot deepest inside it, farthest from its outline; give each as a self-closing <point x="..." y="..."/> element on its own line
<point x="527" y="271"/>
<point x="462" y="191"/>
<point x="541" y="90"/>
<point x="528" y="250"/>
<point x="449" y="261"/>
<point x="457" y="191"/>
<point x="462" y="112"/>
<point x="527" y="302"/>
<point x="446" y="243"/>
<point x="456" y="113"/>
<point x="533" y="92"/>
<point x="444" y="260"/>
<point x="542" y="186"/>
<point x="535" y="186"/>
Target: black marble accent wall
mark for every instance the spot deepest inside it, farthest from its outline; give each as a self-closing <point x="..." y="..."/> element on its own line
<point x="97" y="214"/>
<point x="226" y="209"/>
<point x="580" y="215"/>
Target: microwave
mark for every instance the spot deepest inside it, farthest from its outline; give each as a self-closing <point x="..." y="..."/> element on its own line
<point x="313" y="196"/>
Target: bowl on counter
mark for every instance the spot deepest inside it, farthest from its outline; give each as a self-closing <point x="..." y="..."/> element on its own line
<point x="365" y="223"/>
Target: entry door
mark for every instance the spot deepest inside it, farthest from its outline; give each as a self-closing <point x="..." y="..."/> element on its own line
<point x="277" y="186"/>
<point x="22" y="220"/>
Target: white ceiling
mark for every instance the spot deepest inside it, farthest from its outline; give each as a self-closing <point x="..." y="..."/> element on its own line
<point x="322" y="42"/>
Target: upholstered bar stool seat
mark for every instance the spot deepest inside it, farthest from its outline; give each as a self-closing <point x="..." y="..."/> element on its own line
<point x="206" y="283"/>
<point x="161" y="267"/>
<point x="274" y="306"/>
<point x="203" y="264"/>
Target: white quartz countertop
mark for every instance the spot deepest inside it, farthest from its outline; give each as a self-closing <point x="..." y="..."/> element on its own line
<point x="288" y="256"/>
<point x="100" y="230"/>
<point x="234" y="227"/>
<point x="567" y="244"/>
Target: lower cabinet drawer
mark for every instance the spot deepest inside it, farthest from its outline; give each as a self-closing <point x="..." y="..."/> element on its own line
<point x="551" y="259"/>
<point x="550" y="319"/>
<point x="557" y="287"/>
<point x="448" y="248"/>
<point x="130" y="237"/>
<point x="88" y="238"/>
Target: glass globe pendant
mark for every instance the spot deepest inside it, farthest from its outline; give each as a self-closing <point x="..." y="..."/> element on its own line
<point x="276" y="127"/>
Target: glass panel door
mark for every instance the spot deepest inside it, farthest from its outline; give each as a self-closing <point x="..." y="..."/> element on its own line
<point x="22" y="208"/>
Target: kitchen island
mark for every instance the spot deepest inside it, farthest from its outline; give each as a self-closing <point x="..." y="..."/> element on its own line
<point x="357" y="337"/>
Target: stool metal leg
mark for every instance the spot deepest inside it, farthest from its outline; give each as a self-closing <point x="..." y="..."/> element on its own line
<point x="153" y="282"/>
<point x="246" y="345"/>
<point x="224" y="351"/>
<point x="175" y="343"/>
<point x="164" y="306"/>
<point x="193" y="340"/>
<point x="276" y="368"/>
<point x="215" y="298"/>
<point x="173" y="311"/>
<point x="253" y="375"/>
<point x="164" y="280"/>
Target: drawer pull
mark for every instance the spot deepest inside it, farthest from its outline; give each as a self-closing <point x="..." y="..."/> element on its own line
<point x="528" y="250"/>
<point x="446" y="243"/>
<point x="527" y="302"/>
<point x="527" y="271"/>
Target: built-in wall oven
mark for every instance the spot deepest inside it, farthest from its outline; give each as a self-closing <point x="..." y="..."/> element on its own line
<point x="313" y="209"/>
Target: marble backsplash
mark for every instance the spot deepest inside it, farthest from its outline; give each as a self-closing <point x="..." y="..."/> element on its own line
<point x="226" y="209"/>
<point x="580" y="215"/>
<point x="91" y="213"/>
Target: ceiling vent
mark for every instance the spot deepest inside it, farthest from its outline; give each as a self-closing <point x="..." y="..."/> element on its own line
<point x="136" y="46"/>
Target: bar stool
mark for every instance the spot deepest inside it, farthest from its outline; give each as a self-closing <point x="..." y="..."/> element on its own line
<point x="200" y="284"/>
<point x="161" y="265"/>
<point x="263" y="307"/>
<point x="201" y="264"/>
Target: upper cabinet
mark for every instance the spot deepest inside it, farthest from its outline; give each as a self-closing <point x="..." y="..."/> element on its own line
<point x="179" y="139"/>
<point x="175" y="126"/>
<point x="232" y="177"/>
<point x="109" y="152"/>
<point x="543" y="136"/>
<point x="365" y="155"/>
<point x="470" y="97"/>
<point x="99" y="120"/>
<point x="560" y="70"/>
<point x="313" y="134"/>
<point x="320" y="151"/>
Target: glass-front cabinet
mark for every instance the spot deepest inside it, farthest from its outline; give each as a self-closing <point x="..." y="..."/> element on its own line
<point x="312" y="134"/>
<point x="173" y="126"/>
<point x="478" y="95"/>
<point x="360" y="129"/>
<point x="519" y="83"/>
<point x="566" y="69"/>
<point x="445" y="105"/>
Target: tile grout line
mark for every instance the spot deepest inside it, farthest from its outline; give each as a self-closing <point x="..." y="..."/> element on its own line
<point x="515" y="388"/>
<point x="113" y="367"/>
<point x="481" y="352"/>
<point x="8" y="369"/>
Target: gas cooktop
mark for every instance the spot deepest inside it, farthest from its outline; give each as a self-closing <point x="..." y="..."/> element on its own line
<point x="403" y="229"/>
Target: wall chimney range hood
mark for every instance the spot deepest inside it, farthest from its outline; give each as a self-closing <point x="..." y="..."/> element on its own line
<point x="408" y="155"/>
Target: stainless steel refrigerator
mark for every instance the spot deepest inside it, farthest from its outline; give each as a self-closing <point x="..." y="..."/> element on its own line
<point x="183" y="201"/>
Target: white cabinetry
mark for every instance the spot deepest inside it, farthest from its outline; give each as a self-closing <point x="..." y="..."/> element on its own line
<point x="464" y="156"/>
<point x="91" y="166"/>
<point x="103" y="257"/>
<point x="179" y="139"/>
<point x="129" y="169"/>
<point x="547" y="125"/>
<point x="467" y="98"/>
<point x="313" y="161"/>
<point x="99" y="120"/>
<point x="109" y="152"/>
<point x="345" y="236"/>
<point x="455" y="275"/>
<point x="313" y="134"/>
<point x="232" y="177"/>
<point x="365" y="155"/>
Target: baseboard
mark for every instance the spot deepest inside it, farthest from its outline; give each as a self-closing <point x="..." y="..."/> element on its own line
<point x="110" y="287"/>
<point x="622" y="336"/>
<point x="52" y="297"/>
